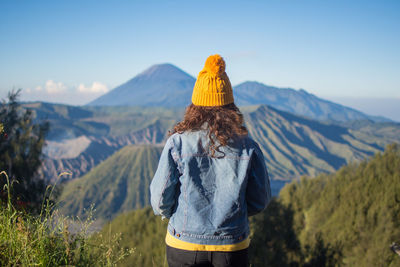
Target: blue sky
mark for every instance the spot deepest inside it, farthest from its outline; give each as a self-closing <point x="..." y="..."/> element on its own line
<point x="73" y="51"/>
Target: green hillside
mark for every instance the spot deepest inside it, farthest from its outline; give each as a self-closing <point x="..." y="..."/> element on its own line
<point x="348" y="218"/>
<point x="357" y="206"/>
<point x="118" y="184"/>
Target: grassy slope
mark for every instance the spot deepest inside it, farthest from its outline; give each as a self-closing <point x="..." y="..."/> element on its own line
<point x="119" y="184"/>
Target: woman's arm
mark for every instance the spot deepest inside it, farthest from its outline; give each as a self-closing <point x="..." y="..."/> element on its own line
<point x="258" y="192"/>
<point x="164" y="187"/>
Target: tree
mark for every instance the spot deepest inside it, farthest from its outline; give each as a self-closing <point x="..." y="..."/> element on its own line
<point x="273" y="240"/>
<point x="21" y="143"/>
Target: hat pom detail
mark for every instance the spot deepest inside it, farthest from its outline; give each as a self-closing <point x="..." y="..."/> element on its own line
<point x="215" y="65"/>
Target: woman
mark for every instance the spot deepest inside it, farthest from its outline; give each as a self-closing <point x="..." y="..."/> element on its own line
<point x="210" y="178"/>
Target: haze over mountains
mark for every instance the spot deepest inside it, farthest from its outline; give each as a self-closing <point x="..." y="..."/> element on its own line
<point x="165" y="85"/>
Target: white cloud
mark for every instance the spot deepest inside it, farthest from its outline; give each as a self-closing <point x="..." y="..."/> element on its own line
<point x="52" y="87"/>
<point x="96" y="88"/>
<point x="59" y="92"/>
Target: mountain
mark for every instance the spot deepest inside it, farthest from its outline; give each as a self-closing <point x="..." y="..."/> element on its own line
<point x="294" y="146"/>
<point x="296" y="101"/>
<point x="161" y="85"/>
<point x="118" y="184"/>
<point x="166" y="85"/>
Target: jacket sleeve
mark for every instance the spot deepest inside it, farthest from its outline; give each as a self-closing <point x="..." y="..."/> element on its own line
<point x="258" y="191"/>
<point x="164" y="188"/>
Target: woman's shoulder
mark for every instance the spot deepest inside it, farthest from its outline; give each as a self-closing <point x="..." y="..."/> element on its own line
<point x="188" y="134"/>
<point x="185" y="137"/>
<point x="247" y="141"/>
<point x="177" y="139"/>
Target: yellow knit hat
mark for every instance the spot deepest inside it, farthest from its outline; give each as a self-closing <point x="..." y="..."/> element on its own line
<point x="212" y="87"/>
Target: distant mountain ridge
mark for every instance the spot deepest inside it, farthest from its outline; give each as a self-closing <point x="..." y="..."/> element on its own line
<point x="165" y="85"/>
<point x="299" y="102"/>
<point x="161" y="85"/>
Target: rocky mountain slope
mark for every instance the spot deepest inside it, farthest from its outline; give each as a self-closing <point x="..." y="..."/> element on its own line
<point x="295" y="146"/>
<point x="98" y="149"/>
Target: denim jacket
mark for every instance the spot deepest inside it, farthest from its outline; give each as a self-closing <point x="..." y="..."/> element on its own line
<point x="208" y="199"/>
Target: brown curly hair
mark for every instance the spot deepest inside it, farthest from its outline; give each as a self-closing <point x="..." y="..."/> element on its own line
<point x="224" y="123"/>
